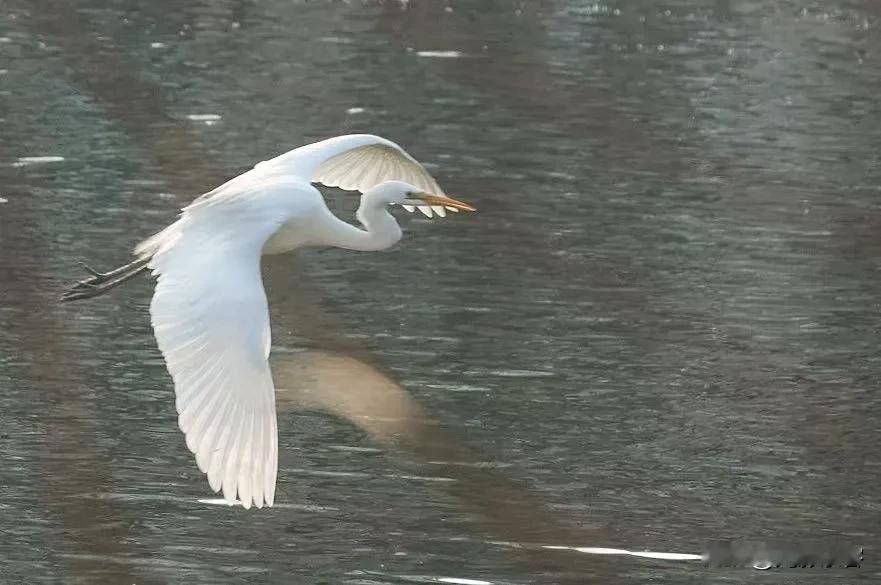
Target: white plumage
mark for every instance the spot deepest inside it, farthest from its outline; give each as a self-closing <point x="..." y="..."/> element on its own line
<point x="209" y="309"/>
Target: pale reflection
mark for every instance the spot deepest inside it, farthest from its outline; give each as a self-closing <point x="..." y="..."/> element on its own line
<point x="361" y="394"/>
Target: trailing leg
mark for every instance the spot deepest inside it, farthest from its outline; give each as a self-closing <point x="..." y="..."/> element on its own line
<point x="101" y="282"/>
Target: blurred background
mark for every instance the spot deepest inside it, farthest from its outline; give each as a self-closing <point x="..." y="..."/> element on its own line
<point x="660" y="328"/>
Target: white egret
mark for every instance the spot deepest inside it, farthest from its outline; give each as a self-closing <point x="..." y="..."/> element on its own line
<point x="209" y="309"/>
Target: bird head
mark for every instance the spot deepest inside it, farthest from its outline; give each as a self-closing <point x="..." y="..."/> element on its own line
<point x="411" y="198"/>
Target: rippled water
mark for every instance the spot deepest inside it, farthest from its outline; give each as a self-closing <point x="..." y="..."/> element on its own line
<point x="663" y="322"/>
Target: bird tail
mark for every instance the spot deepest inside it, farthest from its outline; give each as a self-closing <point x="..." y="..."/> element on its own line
<point x="147" y="249"/>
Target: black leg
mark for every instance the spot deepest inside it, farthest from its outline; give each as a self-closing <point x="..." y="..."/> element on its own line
<point x="101" y="282"/>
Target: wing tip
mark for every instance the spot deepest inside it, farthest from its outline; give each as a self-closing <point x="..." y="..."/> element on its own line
<point x="249" y="501"/>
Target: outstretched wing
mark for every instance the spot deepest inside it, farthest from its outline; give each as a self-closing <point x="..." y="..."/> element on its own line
<point x="355" y="162"/>
<point x="364" y="167"/>
<point x="211" y="321"/>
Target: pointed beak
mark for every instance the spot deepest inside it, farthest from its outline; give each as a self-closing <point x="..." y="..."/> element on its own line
<point x="442" y="200"/>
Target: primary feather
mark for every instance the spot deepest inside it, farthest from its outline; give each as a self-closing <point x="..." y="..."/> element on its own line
<point x="211" y="320"/>
<point x="366" y="166"/>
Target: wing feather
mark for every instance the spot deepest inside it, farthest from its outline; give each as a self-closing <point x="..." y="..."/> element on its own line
<point x="363" y="167"/>
<point x="211" y="321"/>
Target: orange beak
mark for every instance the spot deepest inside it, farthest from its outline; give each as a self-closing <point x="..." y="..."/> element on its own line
<point x="443" y="200"/>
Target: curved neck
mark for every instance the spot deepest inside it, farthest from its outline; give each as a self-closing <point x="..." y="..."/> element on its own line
<point x="381" y="229"/>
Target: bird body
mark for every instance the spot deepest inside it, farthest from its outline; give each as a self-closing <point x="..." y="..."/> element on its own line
<point x="209" y="310"/>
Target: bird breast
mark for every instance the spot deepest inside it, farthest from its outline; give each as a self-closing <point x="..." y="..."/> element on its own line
<point x="289" y="236"/>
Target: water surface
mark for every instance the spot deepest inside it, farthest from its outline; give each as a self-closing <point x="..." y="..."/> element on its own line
<point x="663" y="321"/>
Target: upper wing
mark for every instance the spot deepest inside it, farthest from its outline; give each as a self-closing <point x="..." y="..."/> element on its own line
<point x="355" y="162"/>
<point x="364" y="167"/>
<point x="211" y="321"/>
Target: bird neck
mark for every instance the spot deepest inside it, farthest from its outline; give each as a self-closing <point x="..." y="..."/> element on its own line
<point x="381" y="229"/>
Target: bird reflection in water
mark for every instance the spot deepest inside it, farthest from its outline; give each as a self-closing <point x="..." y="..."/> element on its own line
<point x="358" y="392"/>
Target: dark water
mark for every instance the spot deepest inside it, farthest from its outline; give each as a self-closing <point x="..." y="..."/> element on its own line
<point x="663" y="323"/>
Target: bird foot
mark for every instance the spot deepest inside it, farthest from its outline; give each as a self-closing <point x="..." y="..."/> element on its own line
<point x="97" y="277"/>
<point x="89" y="287"/>
<point x="94" y="272"/>
<point x="101" y="282"/>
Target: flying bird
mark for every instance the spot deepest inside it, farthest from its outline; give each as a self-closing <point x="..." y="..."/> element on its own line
<point x="209" y="310"/>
